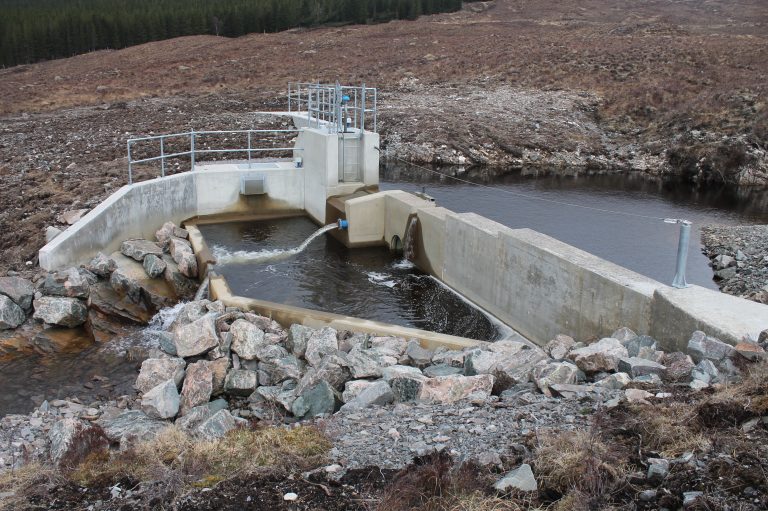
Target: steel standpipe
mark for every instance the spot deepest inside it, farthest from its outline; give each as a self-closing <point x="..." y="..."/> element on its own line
<point x="682" y="251"/>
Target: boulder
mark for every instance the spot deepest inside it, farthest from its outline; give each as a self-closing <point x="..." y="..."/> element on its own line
<point x="154" y="266"/>
<point x="571" y="391"/>
<point x="101" y="265"/>
<point x="20" y="291"/>
<point x="449" y="389"/>
<point x="138" y="249"/>
<point x="198" y="414"/>
<point x="723" y="261"/>
<point x="71" y="440"/>
<point x="750" y="351"/>
<point x="170" y="230"/>
<point x="189" y="313"/>
<point x="71" y="216"/>
<point x="105" y="300"/>
<point x="353" y="388"/>
<point x="679" y="367"/>
<point x="196" y="338"/>
<point x="162" y="401"/>
<point x="377" y="394"/>
<point x="705" y="372"/>
<point x="448" y="357"/>
<point x="69" y="283"/>
<point x="198" y="386"/>
<point x="130" y="427"/>
<point x="320" y="399"/>
<point x="281" y="369"/>
<point x="11" y="315"/>
<point x="218" y="425"/>
<point x="333" y="369"/>
<point x="182" y="285"/>
<point x="298" y="336"/>
<point x="184" y="256"/>
<point x="69" y="312"/>
<point x="508" y="367"/>
<point x="246" y="339"/>
<point x="442" y="370"/>
<point x="615" y="381"/>
<point x="635" y="366"/>
<point x="623" y="335"/>
<point x="130" y="279"/>
<point x="638" y="344"/>
<point x="549" y="373"/>
<point x="405" y="381"/>
<point x="389" y="346"/>
<point x="559" y="347"/>
<point x="320" y="343"/>
<point x="155" y="371"/>
<point x="219" y="368"/>
<point x="658" y="469"/>
<point x="282" y="395"/>
<point x="702" y="347"/>
<point x="520" y="479"/>
<point x="367" y="363"/>
<point x="240" y="382"/>
<point x="603" y="355"/>
<point x="417" y="356"/>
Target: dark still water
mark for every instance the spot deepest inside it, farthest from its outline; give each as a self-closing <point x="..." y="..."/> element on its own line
<point x="368" y="283"/>
<point x="646" y="246"/>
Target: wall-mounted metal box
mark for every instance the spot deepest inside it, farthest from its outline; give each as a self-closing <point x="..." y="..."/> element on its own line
<point x="252" y="185"/>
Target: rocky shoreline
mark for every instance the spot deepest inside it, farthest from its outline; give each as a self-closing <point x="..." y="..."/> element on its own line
<point x="739" y="257"/>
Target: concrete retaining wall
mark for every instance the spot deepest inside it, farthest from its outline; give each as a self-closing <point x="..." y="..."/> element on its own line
<point x="542" y="287"/>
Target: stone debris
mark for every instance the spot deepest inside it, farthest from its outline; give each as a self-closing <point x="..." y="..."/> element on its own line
<point x="71" y="217"/>
<point x="521" y="479"/>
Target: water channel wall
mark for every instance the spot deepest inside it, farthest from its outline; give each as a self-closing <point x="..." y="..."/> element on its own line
<point x="138" y="210"/>
<point x="542" y="287"/>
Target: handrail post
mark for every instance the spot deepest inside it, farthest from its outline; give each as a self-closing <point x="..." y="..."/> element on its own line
<point x="249" y="149"/>
<point x="130" y="170"/>
<point x="682" y="252"/>
<point x="162" y="156"/>
<point x="192" y="148"/>
<point x="362" y="111"/>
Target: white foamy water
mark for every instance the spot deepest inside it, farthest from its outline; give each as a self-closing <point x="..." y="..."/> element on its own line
<point x="226" y="257"/>
<point x="380" y="279"/>
<point x="403" y="264"/>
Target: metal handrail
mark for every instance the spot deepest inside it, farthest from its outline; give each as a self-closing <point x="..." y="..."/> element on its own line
<point x="332" y="104"/>
<point x="193" y="135"/>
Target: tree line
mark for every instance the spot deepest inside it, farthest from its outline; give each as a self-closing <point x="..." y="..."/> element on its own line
<point x="34" y="30"/>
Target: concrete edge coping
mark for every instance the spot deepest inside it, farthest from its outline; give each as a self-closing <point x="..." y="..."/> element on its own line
<point x="288" y="314"/>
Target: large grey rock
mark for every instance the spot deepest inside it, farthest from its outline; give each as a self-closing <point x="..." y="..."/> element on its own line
<point x="198" y="386"/>
<point x="445" y="356"/>
<point x="182" y="254"/>
<point x="320" y="399"/>
<point x="69" y="283"/>
<point x="138" y="249"/>
<point x="377" y="394"/>
<point x="155" y="371"/>
<point x="282" y="395"/>
<point x="368" y="363"/>
<point x="724" y="261"/>
<point x="69" y="312"/>
<point x="219" y="367"/>
<point x="508" y="366"/>
<point x="333" y="369"/>
<point x="615" y="381"/>
<point x="20" y="291"/>
<point x="706" y="372"/>
<point x="130" y="427"/>
<point x="658" y="469"/>
<point x="298" y="336"/>
<point x="679" y="367"/>
<point x="635" y="366"/>
<point x="559" y="347"/>
<point x="218" y="425"/>
<point x="197" y="415"/>
<point x="321" y="343"/>
<point x="196" y="338"/>
<point x="101" y="265"/>
<point x="353" y="388"/>
<point x="702" y="347"/>
<point x="247" y="338"/>
<point x="73" y="439"/>
<point x="547" y="374"/>
<point x="389" y="346"/>
<point x="623" y="335"/>
<point x="520" y="479"/>
<point x="189" y="313"/>
<point x="170" y="230"/>
<point x="183" y="286"/>
<point x="449" y="389"/>
<point x="240" y="382"/>
<point x="161" y="401"/>
<point x="405" y="381"/>
<point x="130" y="280"/>
<point x="154" y="266"/>
<point x="11" y="315"/>
<point x="603" y="355"/>
<point x="281" y="369"/>
<point x="442" y="370"/>
<point x="417" y="356"/>
<point x="72" y="216"/>
<point x="638" y="344"/>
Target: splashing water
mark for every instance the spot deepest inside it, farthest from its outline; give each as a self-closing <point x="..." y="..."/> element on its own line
<point x="224" y="256"/>
<point x="409" y="243"/>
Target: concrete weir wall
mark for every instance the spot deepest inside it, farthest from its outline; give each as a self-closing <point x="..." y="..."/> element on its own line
<point x="139" y="209"/>
<point x="541" y="286"/>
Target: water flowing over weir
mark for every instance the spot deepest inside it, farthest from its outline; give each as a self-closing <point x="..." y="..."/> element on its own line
<point x="409" y="243"/>
<point x="224" y="256"/>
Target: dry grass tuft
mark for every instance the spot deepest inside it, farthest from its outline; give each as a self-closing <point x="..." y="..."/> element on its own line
<point x="30" y="480"/>
<point x="667" y="429"/>
<point x="578" y="461"/>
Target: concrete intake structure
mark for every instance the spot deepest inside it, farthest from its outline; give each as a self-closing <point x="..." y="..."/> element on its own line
<point x="537" y="285"/>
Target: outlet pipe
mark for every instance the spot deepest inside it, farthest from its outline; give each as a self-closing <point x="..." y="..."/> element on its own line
<point x="682" y="251"/>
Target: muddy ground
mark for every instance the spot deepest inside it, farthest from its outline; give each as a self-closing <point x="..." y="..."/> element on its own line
<point x="665" y="88"/>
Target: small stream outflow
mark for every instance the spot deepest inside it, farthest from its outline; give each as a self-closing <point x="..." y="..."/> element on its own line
<point x="224" y="256"/>
<point x="409" y="243"/>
